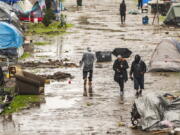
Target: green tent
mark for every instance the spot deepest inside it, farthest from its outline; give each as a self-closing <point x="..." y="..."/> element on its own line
<point x="173" y="15"/>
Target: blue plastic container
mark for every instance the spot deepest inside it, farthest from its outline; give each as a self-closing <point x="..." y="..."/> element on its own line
<point x="145" y="20"/>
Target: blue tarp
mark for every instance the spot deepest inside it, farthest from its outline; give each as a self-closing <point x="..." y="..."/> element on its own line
<point x="10" y="1"/>
<point x="10" y="36"/>
<point x="145" y="1"/>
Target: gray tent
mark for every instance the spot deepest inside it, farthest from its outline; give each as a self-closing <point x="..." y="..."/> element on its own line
<point x="166" y="57"/>
<point x="173" y="15"/>
<point x="7" y="14"/>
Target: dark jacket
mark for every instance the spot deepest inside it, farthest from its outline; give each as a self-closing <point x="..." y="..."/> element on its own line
<point x="138" y="69"/>
<point x="120" y="70"/>
<point x="122" y="8"/>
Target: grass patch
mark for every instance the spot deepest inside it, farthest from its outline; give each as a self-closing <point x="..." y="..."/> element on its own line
<point x="162" y="18"/>
<point x="21" y="102"/>
<point x="52" y="29"/>
<point x="25" y="55"/>
<point x="41" y="43"/>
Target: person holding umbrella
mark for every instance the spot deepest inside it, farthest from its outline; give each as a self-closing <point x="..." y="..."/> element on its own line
<point x="120" y="67"/>
<point x="138" y="68"/>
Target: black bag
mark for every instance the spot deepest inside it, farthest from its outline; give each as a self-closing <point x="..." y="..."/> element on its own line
<point x="103" y="56"/>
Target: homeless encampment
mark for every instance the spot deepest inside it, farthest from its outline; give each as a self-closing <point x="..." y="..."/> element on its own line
<point x="10" y="39"/>
<point x="173" y="15"/>
<point x="29" y="10"/>
<point x="166" y="57"/>
<point x="156" y="112"/>
<point x="8" y="14"/>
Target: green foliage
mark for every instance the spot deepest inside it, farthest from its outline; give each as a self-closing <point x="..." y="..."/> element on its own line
<point x="20" y="102"/>
<point x="52" y="29"/>
<point x="25" y="55"/>
<point x="48" y="17"/>
<point x="41" y="43"/>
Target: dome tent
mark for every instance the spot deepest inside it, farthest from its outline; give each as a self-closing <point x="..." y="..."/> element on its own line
<point x="166" y="57"/>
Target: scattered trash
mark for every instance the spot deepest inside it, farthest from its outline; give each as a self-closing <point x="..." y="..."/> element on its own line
<point x="49" y="64"/>
<point x="58" y="76"/>
<point x="134" y="12"/>
<point x="121" y="124"/>
<point x="29" y="84"/>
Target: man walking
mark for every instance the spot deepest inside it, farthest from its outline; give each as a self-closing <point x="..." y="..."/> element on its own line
<point x="122" y="10"/>
<point x="87" y="61"/>
<point x="120" y="67"/>
<point x="138" y="68"/>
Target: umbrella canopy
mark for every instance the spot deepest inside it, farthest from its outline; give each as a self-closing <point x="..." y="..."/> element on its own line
<point x="10" y="36"/>
<point x="124" y="52"/>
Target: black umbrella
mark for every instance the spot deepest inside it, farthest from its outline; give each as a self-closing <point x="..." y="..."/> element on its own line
<point x="124" y="52"/>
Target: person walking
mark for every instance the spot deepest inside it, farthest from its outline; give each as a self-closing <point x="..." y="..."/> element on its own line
<point x="87" y="61"/>
<point x="138" y="69"/>
<point x="120" y="67"/>
<point x="140" y="4"/>
<point x="122" y="10"/>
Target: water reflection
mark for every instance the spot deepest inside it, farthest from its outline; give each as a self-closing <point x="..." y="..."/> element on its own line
<point x="8" y="125"/>
<point x="88" y="91"/>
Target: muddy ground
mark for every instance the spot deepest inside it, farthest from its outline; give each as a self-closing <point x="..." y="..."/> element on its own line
<point x="66" y="111"/>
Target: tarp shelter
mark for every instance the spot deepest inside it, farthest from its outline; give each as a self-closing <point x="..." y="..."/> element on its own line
<point x="173" y="15"/>
<point x="166" y="56"/>
<point x="10" y="36"/>
<point x="156" y="111"/>
<point x="29" y="10"/>
<point x="8" y="14"/>
<point x="10" y="1"/>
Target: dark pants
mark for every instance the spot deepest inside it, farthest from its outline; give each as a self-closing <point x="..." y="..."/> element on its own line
<point x="123" y="18"/>
<point x="86" y="73"/>
<point x="140" y="4"/>
<point x="79" y="2"/>
<point x="121" y="84"/>
<point x="139" y="83"/>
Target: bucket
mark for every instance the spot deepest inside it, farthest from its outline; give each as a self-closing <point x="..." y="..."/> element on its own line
<point x="145" y="20"/>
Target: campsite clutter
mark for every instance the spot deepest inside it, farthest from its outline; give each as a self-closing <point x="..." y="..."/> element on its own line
<point x="155" y="112"/>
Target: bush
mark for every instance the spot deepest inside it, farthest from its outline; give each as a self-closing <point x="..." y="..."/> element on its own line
<point x="48" y="17"/>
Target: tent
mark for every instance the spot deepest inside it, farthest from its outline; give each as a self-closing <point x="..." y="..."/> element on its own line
<point x="166" y="57"/>
<point x="10" y="36"/>
<point x="29" y="10"/>
<point x="11" y="40"/>
<point x="8" y="14"/>
<point x="173" y="15"/>
<point x="10" y="1"/>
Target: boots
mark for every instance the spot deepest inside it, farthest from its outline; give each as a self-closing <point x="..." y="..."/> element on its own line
<point x="85" y="82"/>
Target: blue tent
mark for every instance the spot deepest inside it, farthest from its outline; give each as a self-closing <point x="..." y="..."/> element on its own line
<point x="10" y="1"/>
<point x="10" y="36"/>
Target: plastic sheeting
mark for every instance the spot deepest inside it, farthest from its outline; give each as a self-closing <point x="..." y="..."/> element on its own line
<point x="155" y="109"/>
<point x="166" y="57"/>
<point x="173" y="15"/>
<point x="10" y="36"/>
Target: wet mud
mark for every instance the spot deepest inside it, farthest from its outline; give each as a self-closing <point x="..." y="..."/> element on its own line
<point x="71" y="109"/>
<point x="58" y="76"/>
<point x="49" y="64"/>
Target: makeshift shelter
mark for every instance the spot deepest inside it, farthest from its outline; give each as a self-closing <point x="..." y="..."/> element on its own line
<point x="10" y="39"/>
<point x="8" y="14"/>
<point x="156" y="111"/>
<point x="166" y="57"/>
<point x="173" y="15"/>
<point x="30" y="10"/>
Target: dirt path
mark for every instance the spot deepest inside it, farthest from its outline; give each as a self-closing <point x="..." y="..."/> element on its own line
<point x="67" y="111"/>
